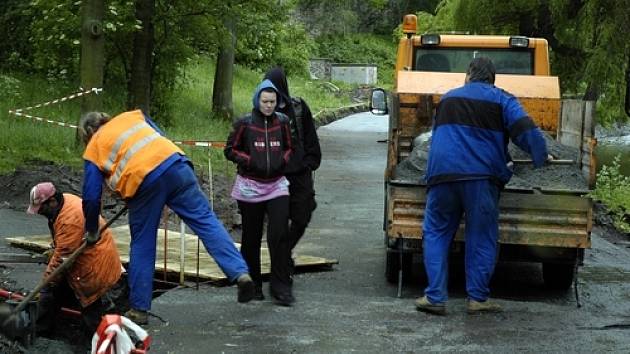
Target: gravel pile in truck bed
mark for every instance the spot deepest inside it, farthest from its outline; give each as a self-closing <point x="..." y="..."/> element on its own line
<point x="551" y="176"/>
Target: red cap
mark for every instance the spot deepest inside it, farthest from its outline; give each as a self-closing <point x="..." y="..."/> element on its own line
<point x="39" y="194"/>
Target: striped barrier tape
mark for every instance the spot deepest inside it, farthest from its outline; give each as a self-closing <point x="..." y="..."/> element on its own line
<point x="19" y="111"/>
<point x="63" y="99"/>
<point x="201" y="143"/>
<point x="20" y="114"/>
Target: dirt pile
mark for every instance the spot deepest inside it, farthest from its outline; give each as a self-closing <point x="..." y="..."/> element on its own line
<point x="551" y="176"/>
<point x="16" y="187"/>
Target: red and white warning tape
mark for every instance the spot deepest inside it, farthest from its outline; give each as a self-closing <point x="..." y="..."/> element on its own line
<point x="20" y="114"/>
<point x="18" y="111"/>
<point x="62" y="99"/>
<point x="201" y="143"/>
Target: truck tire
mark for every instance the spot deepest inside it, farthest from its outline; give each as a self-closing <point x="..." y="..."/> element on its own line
<point x="392" y="261"/>
<point x="558" y="276"/>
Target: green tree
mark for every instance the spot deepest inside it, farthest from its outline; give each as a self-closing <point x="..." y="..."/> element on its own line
<point x="92" y="52"/>
<point x="148" y="42"/>
<point x="587" y="51"/>
<point x="139" y="83"/>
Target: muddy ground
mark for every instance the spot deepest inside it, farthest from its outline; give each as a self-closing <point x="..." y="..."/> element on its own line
<point x="16" y="187"/>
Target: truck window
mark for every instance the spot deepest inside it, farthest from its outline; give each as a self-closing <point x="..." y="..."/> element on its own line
<point x="507" y="61"/>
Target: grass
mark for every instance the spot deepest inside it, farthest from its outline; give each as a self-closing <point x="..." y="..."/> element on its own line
<point x="24" y="140"/>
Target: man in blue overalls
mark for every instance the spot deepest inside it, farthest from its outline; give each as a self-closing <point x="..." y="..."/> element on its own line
<point x="467" y="168"/>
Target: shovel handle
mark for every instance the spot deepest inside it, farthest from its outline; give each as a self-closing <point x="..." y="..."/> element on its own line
<point x="62" y="267"/>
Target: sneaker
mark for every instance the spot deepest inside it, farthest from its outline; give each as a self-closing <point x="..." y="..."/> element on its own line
<point x="473" y="307"/>
<point x="245" y="286"/>
<point x="423" y="304"/>
<point x="138" y="316"/>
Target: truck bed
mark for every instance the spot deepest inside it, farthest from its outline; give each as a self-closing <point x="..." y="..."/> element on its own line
<point x="545" y="218"/>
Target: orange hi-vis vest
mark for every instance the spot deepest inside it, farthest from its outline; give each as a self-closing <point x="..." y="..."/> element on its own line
<point x="126" y="149"/>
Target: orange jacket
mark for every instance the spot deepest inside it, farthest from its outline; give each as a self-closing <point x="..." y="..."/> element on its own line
<point x="98" y="268"/>
<point x="126" y="149"/>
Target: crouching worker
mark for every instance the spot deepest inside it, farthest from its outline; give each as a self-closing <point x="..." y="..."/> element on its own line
<point x="94" y="281"/>
<point x="149" y="172"/>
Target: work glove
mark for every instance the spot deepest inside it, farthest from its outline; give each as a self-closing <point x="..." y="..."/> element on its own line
<point x="92" y="237"/>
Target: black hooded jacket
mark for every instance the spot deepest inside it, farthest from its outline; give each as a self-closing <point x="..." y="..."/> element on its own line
<point x="307" y="154"/>
<point x="260" y="146"/>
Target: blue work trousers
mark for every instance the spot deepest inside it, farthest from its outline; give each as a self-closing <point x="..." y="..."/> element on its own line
<point x="177" y="188"/>
<point x="478" y="201"/>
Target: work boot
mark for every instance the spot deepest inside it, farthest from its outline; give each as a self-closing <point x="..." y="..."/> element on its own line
<point x="474" y="307"/>
<point x="138" y="316"/>
<point x="245" y="286"/>
<point x="423" y="304"/>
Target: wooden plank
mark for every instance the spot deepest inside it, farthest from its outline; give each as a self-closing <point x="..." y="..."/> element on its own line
<point x="208" y="269"/>
<point x="570" y="130"/>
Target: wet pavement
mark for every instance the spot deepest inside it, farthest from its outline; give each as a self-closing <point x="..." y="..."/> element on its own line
<point x="352" y="308"/>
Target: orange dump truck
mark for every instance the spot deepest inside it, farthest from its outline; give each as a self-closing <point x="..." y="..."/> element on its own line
<point x="541" y="220"/>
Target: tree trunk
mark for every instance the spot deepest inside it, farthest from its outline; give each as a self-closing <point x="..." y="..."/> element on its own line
<point x="139" y="85"/>
<point x="592" y="92"/>
<point x="92" y="52"/>
<point x="627" y="83"/>
<point x="222" y="89"/>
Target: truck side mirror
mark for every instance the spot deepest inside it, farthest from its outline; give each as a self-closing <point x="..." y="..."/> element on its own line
<point x="378" y="102"/>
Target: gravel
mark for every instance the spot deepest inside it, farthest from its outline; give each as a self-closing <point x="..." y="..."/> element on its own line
<point x="551" y="176"/>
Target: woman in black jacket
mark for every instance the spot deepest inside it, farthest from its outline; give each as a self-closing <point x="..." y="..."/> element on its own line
<point x="260" y="145"/>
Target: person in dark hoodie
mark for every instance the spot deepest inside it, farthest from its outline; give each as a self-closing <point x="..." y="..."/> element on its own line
<point x="306" y="158"/>
<point x="260" y="145"/>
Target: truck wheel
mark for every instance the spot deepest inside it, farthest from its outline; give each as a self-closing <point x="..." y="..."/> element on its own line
<point x="392" y="262"/>
<point x="558" y="276"/>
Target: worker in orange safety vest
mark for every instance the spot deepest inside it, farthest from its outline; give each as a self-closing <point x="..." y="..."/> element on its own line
<point x="94" y="282"/>
<point x="130" y="154"/>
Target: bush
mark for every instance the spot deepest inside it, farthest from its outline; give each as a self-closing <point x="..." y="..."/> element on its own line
<point x="613" y="190"/>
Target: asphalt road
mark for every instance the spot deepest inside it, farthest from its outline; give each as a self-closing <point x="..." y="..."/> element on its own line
<point x="351" y="308"/>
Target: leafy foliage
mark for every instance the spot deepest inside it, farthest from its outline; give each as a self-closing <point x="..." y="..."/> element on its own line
<point x="587" y="51"/>
<point x="361" y="48"/>
<point x="269" y="37"/>
<point x="442" y="21"/>
<point x="613" y="189"/>
<point x="333" y="17"/>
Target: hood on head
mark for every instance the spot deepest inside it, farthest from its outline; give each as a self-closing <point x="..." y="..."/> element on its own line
<point x="263" y="85"/>
<point x="279" y="79"/>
